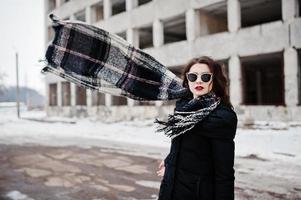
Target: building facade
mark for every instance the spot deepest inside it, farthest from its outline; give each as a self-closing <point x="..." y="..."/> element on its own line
<point x="258" y="42"/>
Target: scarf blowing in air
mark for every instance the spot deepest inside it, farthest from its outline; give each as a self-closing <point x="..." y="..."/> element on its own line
<point x="95" y="59"/>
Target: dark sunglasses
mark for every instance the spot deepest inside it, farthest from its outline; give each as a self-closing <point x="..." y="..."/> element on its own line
<point x="205" y="77"/>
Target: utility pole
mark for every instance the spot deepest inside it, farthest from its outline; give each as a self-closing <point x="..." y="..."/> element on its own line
<point x="26" y="92"/>
<point x="17" y="89"/>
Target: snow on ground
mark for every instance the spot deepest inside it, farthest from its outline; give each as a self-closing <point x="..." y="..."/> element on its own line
<point x="137" y="132"/>
<point x="16" y="195"/>
<point x="281" y="144"/>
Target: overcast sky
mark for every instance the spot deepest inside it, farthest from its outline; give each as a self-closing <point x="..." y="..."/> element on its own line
<point x="22" y="30"/>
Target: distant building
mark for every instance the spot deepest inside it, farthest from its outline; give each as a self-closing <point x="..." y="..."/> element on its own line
<point x="259" y="42"/>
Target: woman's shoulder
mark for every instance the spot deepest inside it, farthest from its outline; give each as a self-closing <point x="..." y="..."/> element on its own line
<point x="226" y="110"/>
<point x="224" y="113"/>
<point x="220" y="123"/>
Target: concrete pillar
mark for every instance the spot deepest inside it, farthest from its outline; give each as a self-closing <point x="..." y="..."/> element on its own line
<point x="298" y="2"/>
<point x="58" y="3"/>
<point x="235" y="80"/>
<point x="192" y="24"/>
<point x="107" y="9"/>
<point x="59" y="93"/>
<point x="47" y="95"/>
<point x="131" y="102"/>
<point x="88" y="13"/>
<point x="234" y="15"/>
<point x="130" y="4"/>
<point x="72" y="17"/>
<point x="108" y="99"/>
<point x="158" y="33"/>
<point x="73" y="94"/>
<point x="289" y="9"/>
<point x="291" y="76"/>
<point x="46" y="7"/>
<point x="89" y="97"/>
<point x="132" y="36"/>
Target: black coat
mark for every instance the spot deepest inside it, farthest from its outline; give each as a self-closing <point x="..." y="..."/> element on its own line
<point x="200" y="165"/>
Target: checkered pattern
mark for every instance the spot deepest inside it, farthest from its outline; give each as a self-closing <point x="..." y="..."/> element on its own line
<point x="96" y="59"/>
<point x="187" y="114"/>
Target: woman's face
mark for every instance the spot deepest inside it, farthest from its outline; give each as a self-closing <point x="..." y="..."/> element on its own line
<point x="200" y="86"/>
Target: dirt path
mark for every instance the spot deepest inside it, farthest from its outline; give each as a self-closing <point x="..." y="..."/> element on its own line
<point x="75" y="173"/>
<point x="63" y="173"/>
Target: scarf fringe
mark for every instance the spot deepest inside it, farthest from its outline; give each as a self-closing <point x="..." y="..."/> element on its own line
<point x="181" y="122"/>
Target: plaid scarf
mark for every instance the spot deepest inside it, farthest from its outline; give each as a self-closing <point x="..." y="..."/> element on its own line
<point x="188" y="113"/>
<point x="95" y="59"/>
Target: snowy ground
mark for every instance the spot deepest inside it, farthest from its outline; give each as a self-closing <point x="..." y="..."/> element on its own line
<point x="273" y="156"/>
<point x="283" y="144"/>
<point x="81" y="132"/>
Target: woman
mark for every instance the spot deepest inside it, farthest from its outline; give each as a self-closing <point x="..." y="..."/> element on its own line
<point x="200" y="163"/>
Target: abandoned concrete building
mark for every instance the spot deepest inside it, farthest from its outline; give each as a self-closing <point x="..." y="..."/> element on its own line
<point x="258" y="41"/>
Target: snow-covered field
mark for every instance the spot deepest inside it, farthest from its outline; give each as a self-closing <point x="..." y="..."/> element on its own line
<point x="266" y="143"/>
<point x="271" y="154"/>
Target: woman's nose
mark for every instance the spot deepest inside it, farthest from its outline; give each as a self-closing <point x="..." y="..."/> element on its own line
<point x="198" y="80"/>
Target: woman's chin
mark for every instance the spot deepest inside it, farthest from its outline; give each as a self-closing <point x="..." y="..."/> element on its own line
<point x="199" y="93"/>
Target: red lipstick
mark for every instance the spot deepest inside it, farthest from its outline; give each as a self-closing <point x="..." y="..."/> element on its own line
<point x="199" y="88"/>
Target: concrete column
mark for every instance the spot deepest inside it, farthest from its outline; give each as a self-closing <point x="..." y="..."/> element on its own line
<point x="89" y="97"/>
<point x="47" y="94"/>
<point x="46" y="8"/>
<point x="291" y="76"/>
<point x="289" y="9"/>
<point x="192" y="24"/>
<point x="235" y="80"/>
<point x="58" y="3"/>
<point x="108" y="98"/>
<point x="130" y="102"/>
<point x="72" y="17"/>
<point x="59" y="93"/>
<point x="158" y="33"/>
<point x="130" y="4"/>
<point x="107" y="9"/>
<point x="298" y="13"/>
<point x="234" y="15"/>
<point x="132" y="36"/>
<point x="73" y="94"/>
<point x="88" y="13"/>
